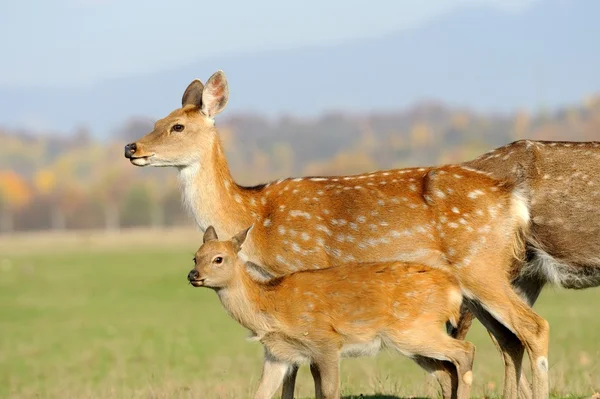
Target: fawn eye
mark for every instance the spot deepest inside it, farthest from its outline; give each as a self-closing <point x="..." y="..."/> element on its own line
<point x="177" y="128"/>
<point x="218" y="260"/>
<point x="194" y="259"/>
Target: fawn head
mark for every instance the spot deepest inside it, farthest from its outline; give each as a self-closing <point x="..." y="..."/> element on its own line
<point x="181" y="138"/>
<point x="215" y="261"/>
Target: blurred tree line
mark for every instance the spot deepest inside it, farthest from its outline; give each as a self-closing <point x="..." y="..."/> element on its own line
<point x="75" y="181"/>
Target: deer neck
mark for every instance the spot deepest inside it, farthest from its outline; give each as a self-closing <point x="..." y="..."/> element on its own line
<point x="211" y="194"/>
<point x="245" y="301"/>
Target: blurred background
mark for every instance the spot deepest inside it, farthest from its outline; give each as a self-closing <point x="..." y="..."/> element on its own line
<point x="316" y="88"/>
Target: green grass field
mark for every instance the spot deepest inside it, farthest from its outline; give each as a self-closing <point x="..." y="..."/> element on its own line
<point x="113" y="317"/>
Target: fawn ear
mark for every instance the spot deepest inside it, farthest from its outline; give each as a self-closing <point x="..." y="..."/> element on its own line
<point x="193" y="94"/>
<point x="239" y="238"/>
<point x="210" y="234"/>
<point x="215" y="95"/>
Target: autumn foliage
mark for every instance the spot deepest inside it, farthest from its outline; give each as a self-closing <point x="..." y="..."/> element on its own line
<point x="82" y="181"/>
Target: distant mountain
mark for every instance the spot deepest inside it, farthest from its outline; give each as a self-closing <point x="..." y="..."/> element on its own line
<point x="477" y="57"/>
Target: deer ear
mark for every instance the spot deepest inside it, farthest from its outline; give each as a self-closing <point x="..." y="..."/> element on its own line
<point x="193" y="94"/>
<point x="239" y="238"/>
<point x="215" y="94"/>
<point x="210" y="234"/>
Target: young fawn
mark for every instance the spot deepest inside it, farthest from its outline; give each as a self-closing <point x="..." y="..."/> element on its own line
<point x="316" y="316"/>
<point x="451" y="217"/>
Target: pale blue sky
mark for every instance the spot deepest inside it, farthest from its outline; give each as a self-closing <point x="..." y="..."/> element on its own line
<point x="78" y="42"/>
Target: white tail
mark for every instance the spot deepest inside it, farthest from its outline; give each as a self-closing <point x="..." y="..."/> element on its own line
<point x="452" y="217"/>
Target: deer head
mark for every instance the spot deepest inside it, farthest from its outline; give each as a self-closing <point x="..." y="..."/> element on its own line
<point x="186" y="134"/>
<point x="216" y="261"/>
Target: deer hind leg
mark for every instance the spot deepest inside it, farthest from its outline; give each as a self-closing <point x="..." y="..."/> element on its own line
<point x="502" y="310"/>
<point x="444" y="373"/>
<point x="509" y="346"/>
<point x="511" y="349"/>
<point x="524" y="390"/>
<point x="464" y="323"/>
<point x="433" y="350"/>
<point x="511" y="379"/>
<point x="462" y="355"/>
<point x="529" y="289"/>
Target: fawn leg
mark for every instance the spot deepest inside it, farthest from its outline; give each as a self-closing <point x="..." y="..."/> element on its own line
<point x="272" y="375"/>
<point x="444" y="373"/>
<point x="439" y="349"/>
<point x="314" y="370"/>
<point x="329" y="370"/>
<point x="289" y="382"/>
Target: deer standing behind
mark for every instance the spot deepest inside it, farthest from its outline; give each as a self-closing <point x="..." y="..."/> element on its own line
<point x="454" y="218"/>
<point x="564" y="197"/>
<point x="563" y="192"/>
<point x="317" y="316"/>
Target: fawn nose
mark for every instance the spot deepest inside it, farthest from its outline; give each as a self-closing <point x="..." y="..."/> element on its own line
<point x="130" y="150"/>
<point x="193" y="275"/>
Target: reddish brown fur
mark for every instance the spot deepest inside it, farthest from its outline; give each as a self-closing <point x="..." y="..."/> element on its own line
<point x="450" y="217"/>
<point x="312" y="316"/>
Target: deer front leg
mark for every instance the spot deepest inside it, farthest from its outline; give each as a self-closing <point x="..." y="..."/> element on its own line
<point x="314" y="370"/>
<point x="289" y="382"/>
<point x="273" y="374"/>
<point x="329" y="371"/>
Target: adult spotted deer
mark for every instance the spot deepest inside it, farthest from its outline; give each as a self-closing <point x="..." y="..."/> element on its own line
<point x="564" y="196"/>
<point x="563" y="244"/>
<point x="339" y="311"/>
<point x="452" y="217"/>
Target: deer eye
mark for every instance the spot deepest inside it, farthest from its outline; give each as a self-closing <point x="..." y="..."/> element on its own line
<point x="218" y="260"/>
<point x="194" y="259"/>
<point x="178" y="128"/>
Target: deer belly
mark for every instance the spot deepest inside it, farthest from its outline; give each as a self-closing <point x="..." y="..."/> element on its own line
<point x="370" y="348"/>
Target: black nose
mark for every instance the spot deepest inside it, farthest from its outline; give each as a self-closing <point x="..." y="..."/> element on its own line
<point x="193" y="275"/>
<point x="130" y="150"/>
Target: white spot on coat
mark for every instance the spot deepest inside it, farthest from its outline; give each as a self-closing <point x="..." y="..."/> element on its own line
<point x="298" y="213"/>
<point x="475" y="193"/>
